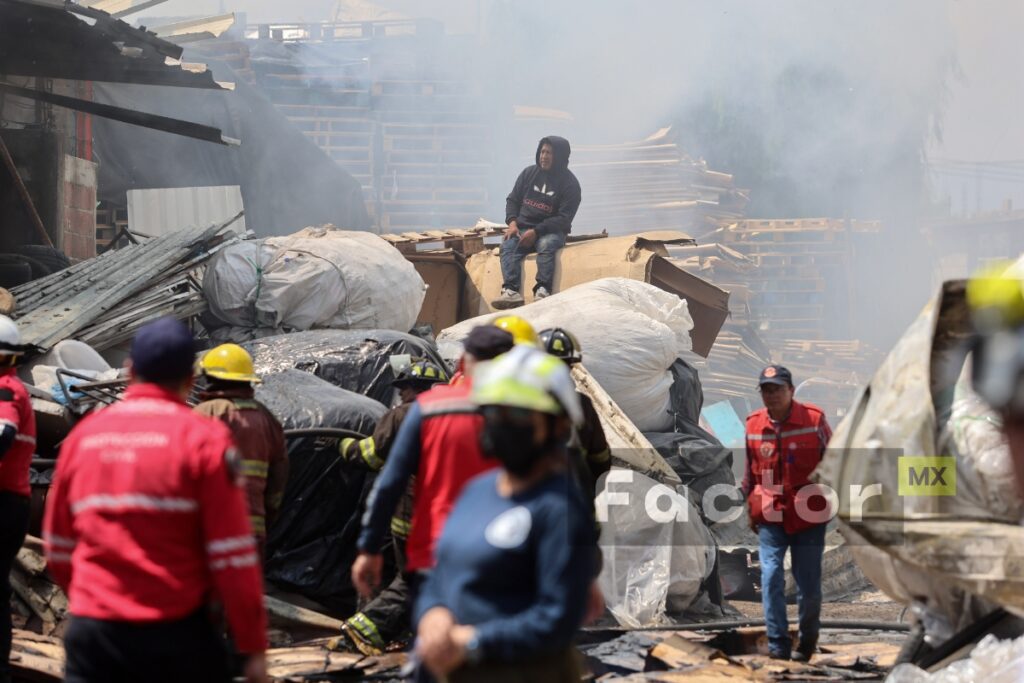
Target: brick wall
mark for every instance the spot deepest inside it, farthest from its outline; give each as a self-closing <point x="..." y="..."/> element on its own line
<point x="78" y="233"/>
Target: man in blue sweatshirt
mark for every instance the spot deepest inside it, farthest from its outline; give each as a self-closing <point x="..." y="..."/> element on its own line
<point x="539" y="213"/>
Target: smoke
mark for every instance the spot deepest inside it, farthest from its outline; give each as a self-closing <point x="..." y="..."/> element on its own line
<point x="820" y="107"/>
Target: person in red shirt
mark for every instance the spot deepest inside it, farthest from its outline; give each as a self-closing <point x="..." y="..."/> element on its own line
<point x="146" y="522"/>
<point x="439" y="443"/>
<point x="17" y="443"/>
<point x="785" y="442"/>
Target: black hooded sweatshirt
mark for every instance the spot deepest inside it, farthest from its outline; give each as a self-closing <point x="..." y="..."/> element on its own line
<point x="545" y="200"/>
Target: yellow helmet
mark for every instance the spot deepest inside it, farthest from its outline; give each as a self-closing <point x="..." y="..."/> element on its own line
<point x="996" y="297"/>
<point x="522" y="332"/>
<point x="530" y="379"/>
<point x="229" y="362"/>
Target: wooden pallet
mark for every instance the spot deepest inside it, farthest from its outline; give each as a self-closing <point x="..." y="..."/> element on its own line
<point x="465" y="241"/>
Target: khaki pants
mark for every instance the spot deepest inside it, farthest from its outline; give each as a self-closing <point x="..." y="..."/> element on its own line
<point x="561" y="667"/>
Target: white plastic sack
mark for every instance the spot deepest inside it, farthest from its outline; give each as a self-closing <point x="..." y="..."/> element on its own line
<point x="630" y="333"/>
<point x="992" y="661"/>
<point x="316" y="278"/>
<point x="650" y="564"/>
<point x="985" y="475"/>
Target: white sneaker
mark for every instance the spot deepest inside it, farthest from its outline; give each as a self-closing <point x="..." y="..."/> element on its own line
<point x="541" y="293"/>
<point x="509" y="298"/>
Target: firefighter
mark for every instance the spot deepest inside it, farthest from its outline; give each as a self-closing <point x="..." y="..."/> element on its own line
<point x="519" y="549"/>
<point x="522" y="331"/>
<point x="386" y="617"/>
<point x="17" y="443"/>
<point x="146" y="520"/>
<point x="439" y="444"/>
<point x="589" y="454"/>
<point x="785" y="442"/>
<point x="227" y="377"/>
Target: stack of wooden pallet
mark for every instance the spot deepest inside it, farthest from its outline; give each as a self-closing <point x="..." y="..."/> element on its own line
<point x="802" y="287"/>
<point x="836" y="360"/>
<point x="435" y="156"/>
<point x="732" y="368"/>
<point x="329" y="101"/>
<point x="418" y="141"/>
<point x="465" y="242"/>
<point x="652" y="185"/>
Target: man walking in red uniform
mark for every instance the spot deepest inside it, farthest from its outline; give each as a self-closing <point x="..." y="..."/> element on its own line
<point x="785" y="442"/>
<point x="17" y="443"/>
<point x="146" y="522"/>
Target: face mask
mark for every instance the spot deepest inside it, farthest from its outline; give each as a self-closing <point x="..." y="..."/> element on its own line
<point x="512" y="443"/>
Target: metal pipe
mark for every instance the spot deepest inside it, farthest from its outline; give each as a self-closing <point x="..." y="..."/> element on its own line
<point x="833" y="624"/>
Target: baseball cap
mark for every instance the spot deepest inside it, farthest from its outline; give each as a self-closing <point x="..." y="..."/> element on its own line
<point x="163" y="351"/>
<point x="487" y="341"/>
<point x="775" y="374"/>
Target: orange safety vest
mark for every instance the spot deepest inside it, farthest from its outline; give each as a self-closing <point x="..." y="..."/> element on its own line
<point x="780" y="461"/>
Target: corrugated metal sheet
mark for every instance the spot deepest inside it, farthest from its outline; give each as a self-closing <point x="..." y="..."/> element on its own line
<point x="164" y="210"/>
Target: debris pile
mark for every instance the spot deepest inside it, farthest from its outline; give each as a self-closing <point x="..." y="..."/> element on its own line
<point x="38" y="602"/>
<point x="652" y="185"/>
<point x="104" y="300"/>
<point x="739" y="653"/>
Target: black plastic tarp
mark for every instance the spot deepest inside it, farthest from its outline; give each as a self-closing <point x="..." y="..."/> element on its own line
<point x="302" y="400"/>
<point x="357" y="360"/>
<point x="311" y="546"/>
<point x="699" y="458"/>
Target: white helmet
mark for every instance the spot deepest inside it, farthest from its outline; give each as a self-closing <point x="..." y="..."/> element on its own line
<point x="10" y="338"/>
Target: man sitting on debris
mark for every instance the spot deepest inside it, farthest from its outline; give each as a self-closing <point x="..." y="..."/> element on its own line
<point x="785" y="442"/>
<point x="226" y="392"/>
<point x="386" y="617"/>
<point x="439" y="444"/>
<point x="539" y="213"/>
<point x="519" y="549"/>
<point x="17" y="443"/>
<point x="146" y="521"/>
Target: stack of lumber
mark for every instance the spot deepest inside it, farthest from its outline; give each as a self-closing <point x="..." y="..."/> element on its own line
<point x="732" y="367"/>
<point x="652" y="185"/>
<point x="434" y="175"/>
<point x="837" y="360"/>
<point x="802" y="286"/>
<point x="104" y="300"/>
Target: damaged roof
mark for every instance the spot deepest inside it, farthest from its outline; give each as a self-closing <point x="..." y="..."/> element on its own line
<point x="52" y="39"/>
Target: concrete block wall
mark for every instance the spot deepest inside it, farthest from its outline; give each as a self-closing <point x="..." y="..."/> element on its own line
<point x="78" y="230"/>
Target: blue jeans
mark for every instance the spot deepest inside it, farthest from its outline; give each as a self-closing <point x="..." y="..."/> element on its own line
<point x="546" y="246"/>
<point x="806" y="549"/>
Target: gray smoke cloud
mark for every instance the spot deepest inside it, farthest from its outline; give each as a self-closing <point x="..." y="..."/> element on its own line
<point x="824" y="107"/>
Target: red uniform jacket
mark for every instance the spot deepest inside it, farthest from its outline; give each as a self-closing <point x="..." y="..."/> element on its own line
<point x="147" y="518"/>
<point x="16" y="411"/>
<point x="780" y="460"/>
<point x="260" y="441"/>
<point x="450" y="457"/>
